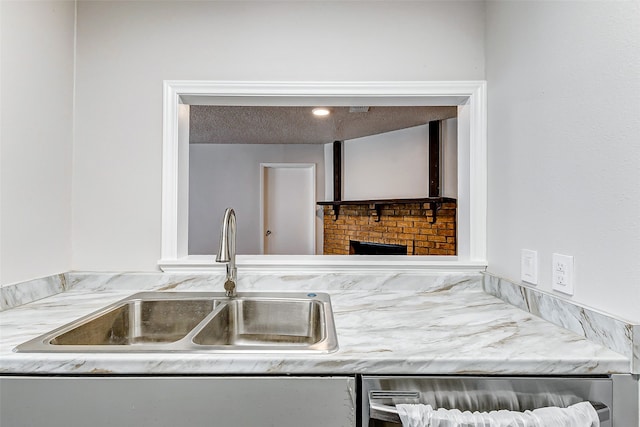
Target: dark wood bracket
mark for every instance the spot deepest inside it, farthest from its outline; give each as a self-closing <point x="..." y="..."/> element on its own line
<point x="435" y="207"/>
<point x="375" y="210"/>
<point x="336" y="211"/>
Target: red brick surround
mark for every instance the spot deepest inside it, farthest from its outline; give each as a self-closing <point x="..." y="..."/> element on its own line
<point x="407" y="224"/>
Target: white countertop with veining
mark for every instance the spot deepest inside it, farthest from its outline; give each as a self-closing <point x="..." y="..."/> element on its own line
<point x="385" y="325"/>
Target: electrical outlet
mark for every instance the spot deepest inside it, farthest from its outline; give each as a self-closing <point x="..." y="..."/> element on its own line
<point x="562" y="273"/>
<point x="529" y="266"/>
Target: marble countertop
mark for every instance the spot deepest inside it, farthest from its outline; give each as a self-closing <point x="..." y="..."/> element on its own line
<point x="425" y="326"/>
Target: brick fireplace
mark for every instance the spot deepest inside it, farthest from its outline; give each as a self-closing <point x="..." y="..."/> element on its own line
<point x="424" y="228"/>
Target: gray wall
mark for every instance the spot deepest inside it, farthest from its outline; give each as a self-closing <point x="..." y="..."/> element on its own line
<point x="227" y="175"/>
<point x="126" y="49"/>
<point x="36" y="100"/>
<point x="564" y="157"/>
<point x="563" y="117"/>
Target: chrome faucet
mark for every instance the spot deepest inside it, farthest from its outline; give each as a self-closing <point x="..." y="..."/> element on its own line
<point x="227" y="250"/>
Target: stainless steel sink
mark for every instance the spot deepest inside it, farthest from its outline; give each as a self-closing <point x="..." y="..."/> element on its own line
<point x="139" y="321"/>
<point x="200" y="322"/>
<point x="244" y="323"/>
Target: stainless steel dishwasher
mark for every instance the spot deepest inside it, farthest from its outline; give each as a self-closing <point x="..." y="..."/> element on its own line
<point x="615" y="397"/>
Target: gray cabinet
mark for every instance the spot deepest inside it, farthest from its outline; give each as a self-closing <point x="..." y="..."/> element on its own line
<point x="177" y="401"/>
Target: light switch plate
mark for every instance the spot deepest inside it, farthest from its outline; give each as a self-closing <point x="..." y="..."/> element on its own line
<point x="562" y="273"/>
<point x="529" y="266"/>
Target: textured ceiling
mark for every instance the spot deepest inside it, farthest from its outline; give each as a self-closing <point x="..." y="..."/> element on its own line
<point x="296" y="125"/>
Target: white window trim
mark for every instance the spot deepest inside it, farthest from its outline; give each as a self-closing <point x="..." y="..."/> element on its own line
<point x="470" y="94"/>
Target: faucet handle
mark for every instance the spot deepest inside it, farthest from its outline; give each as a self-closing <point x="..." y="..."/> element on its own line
<point x="230" y="288"/>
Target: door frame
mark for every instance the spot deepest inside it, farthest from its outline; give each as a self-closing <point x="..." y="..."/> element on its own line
<point x="309" y="166"/>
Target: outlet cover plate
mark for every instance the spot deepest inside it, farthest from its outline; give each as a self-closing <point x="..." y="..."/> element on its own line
<point x="529" y="266"/>
<point x="562" y="273"/>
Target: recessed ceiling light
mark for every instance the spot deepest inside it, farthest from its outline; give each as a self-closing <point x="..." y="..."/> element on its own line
<point x="320" y="111"/>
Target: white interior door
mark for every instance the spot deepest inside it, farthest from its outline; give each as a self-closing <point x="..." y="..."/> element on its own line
<point x="288" y="208"/>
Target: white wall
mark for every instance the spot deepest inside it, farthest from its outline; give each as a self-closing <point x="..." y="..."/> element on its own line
<point x="37" y="57"/>
<point x="385" y="166"/>
<point x="564" y="156"/>
<point x="394" y="164"/>
<point x="228" y="175"/>
<point x="126" y="50"/>
<point x="449" y="159"/>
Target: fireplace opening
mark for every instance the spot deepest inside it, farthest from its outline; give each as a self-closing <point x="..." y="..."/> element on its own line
<point x="369" y="248"/>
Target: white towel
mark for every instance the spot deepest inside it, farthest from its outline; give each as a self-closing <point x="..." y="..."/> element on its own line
<point x="579" y="415"/>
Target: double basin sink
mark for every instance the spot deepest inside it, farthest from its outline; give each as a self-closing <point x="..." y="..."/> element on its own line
<point x="200" y="322"/>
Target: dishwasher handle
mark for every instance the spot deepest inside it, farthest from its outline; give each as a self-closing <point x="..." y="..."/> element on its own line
<point x="389" y="413"/>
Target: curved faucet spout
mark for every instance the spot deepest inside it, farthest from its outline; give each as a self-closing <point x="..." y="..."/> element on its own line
<point x="227" y="250"/>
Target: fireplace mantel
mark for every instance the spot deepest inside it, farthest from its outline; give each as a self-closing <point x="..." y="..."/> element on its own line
<point x="375" y="205"/>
